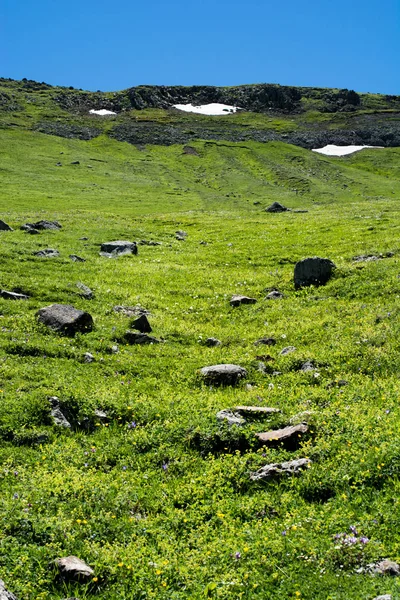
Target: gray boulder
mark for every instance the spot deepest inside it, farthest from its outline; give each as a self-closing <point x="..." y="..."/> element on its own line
<point x="276" y="207"/>
<point x="180" y="235"/>
<point x="230" y="417"/>
<point x="12" y="295"/>
<point x="118" y="248"/>
<point x="76" y="258"/>
<point x="265" y="341"/>
<point x="4" y="227"/>
<point x="224" y="374"/>
<point x="4" y="593"/>
<point x="40" y="225"/>
<point x="212" y="342"/>
<point x="132" y="337"/>
<point x="274" y="295"/>
<point x="285" y="468"/>
<point x="65" y="319"/>
<point x="237" y="300"/>
<point x="72" y="567"/>
<point x="142" y="324"/>
<point x="313" y="271"/>
<point x="287" y="435"/>
<point x="57" y="415"/>
<point x="85" y="291"/>
<point x="47" y="253"/>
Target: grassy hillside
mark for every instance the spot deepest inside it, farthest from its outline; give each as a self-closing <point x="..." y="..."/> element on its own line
<point x="157" y="496"/>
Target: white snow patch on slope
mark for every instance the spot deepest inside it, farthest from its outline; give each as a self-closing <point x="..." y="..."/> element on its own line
<point x="332" y="150"/>
<point x="102" y="112"/>
<point x="208" y="109"/>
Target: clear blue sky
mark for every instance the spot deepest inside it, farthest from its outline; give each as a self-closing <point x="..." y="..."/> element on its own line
<point x="111" y="45"/>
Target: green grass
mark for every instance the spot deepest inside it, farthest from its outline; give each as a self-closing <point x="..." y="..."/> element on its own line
<point x="102" y="494"/>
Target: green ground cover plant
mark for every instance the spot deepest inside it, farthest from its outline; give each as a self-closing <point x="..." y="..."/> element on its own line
<point x="157" y="496"/>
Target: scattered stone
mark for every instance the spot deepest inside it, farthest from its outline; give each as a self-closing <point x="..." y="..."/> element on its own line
<point x="190" y="150"/>
<point x="45" y="225"/>
<point x="276" y="207"/>
<point x="114" y="349"/>
<point x="286" y="435"/>
<point x="88" y="358"/>
<point x="276" y="373"/>
<point x="5" y="227"/>
<point x="131" y="311"/>
<point x="264" y="357"/>
<point x="237" y="300"/>
<point x="372" y="257"/>
<point x="339" y="383"/>
<point x="257" y="410"/>
<point x="85" y="291"/>
<point x="142" y="324"/>
<point x="289" y="468"/>
<point x="76" y="258"/>
<point x="313" y="271"/>
<point x="47" y="253"/>
<point x="257" y="203"/>
<point x="262" y="367"/>
<point x="150" y="243"/>
<point x="72" y="567"/>
<point x="211" y="342"/>
<point x="58" y="164"/>
<point x="118" y="248"/>
<point x="287" y="350"/>
<point x="383" y="567"/>
<point x="100" y="414"/>
<point x="302" y="417"/>
<point x="384" y="597"/>
<point x="231" y="417"/>
<point x="131" y="337"/>
<point x="203" y="243"/>
<point x="65" y="318"/>
<point x="12" y="296"/>
<point x="265" y="341"/>
<point x="4" y="593"/>
<point x="75" y="162"/>
<point x="225" y="374"/>
<point x="30" y="230"/>
<point x="84" y="238"/>
<point x="180" y="235"/>
<point x="307" y="367"/>
<point x="59" y="418"/>
<point x="274" y="295"/>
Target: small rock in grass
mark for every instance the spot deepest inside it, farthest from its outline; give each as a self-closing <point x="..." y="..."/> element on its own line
<point x="257" y="410"/>
<point x="150" y="243"/>
<point x="339" y="383"/>
<point x="307" y="367"/>
<point x="76" y="258"/>
<point x="12" y="295"/>
<point x="276" y="207"/>
<point x="384" y="597"/>
<point x="382" y="567"/>
<point x="100" y="414"/>
<point x="230" y="417"/>
<point x="4" y="227"/>
<point x="31" y="231"/>
<point x="47" y="253"/>
<point x="211" y="342"/>
<point x="114" y="349"/>
<point x="265" y="341"/>
<point x="65" y="319"/>
<point x="237" y="300"/>
<point x="313" y="271"/>
<point x="274" y="295"/>
<point x="58" y="416"/>
<point x="75" y="162"/>
<point x="289" y="468"/>
<point x="4" y="593"/>
<point x="302" y="417"/>
<point x="142" y="324"/>
<point x="286" y="435"/>
<point x="72" y="567"/>
<point x="118" y="248"/>
<point x="131" y="311"/>
<point x="180" y="235"/>
<point x="45" y="225"/>
<point x="190" y="150"/>
<point x="132" y="337"/>
<point x="85" y="291"/>
<point x="287" y="350"/>
<point x="88" y="357"/>
<point x="224" y="374"/>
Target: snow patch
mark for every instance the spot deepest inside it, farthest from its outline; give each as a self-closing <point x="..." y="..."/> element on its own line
<point x="215" y="109"/>
<point x="102" y="112"/>
<point x="332" y="150"/>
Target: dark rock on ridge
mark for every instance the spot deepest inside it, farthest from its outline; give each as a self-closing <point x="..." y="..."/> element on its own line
<point x="65" y="319"/>
<point x="313" y="271"/>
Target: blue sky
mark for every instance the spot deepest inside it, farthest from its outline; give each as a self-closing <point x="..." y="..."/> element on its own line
<point x="112" y="45"/>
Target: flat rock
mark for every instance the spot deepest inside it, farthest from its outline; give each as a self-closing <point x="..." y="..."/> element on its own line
<point x="276" y="207"/>
<point x="142" y="324"/>
<point x="72" y="567"/>
<point x="224" y="374"/>
<point x="313" y="271"/>
<point x="257" y="410"/>
<point x="266" y="341"/>
<point x="4" y="593"/>
<point x="12" y="295"/>
<point x="230" y="417"/>
<point x="65" y="319"/>
<point x="384" y="597"/>
<point x="76" y="258"/>
<point x="85" y="291"/>
<point x="118" y="248"/>
<point x="289" y="468"/>
<point x="132" y="337"/>
<point x="286" y="435"/>
<point x="274" y="295"/>
<point x="40" y="225"/>
<point x="47" y="253"/>
<point x="4" y="227"/>
<point x="287" y="350"/>
<point x="237" y="300"/>
<point x="211" y="342"/>
<point x="131" y="311"/>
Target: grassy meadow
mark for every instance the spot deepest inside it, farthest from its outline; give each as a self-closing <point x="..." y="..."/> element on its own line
<point x="157" y="497"/>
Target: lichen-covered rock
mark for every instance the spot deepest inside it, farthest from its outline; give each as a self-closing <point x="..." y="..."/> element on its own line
<point x="230" y="417"/>
<point x="289" y="468"/>
<point x="72" y="567"/>
<point x="65" y="319"/>
<point x="118" y="248"/>
<point x="313" y="271"/>
<point x="224" y="374"/>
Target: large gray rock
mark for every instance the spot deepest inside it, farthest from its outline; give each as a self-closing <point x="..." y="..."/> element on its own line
<point x="65" y="318"/>
<point x="72" y="567"/>
<point x="225" y="374"/>
<point x="237" y="300"/>
<point x="12" y="295"/>
<point x="47" y="253"/>
<point x="4" y="593"/>
<point x="289" y="468"/>
<point x="313" y="271"/>
<point x="4" y="227"/>
<point x="118" y="248"/>
<point x="45" y="225"/>
<point x="287" y="435"/>
<point x="76" y="258"/>
<point x="276" y="207"/>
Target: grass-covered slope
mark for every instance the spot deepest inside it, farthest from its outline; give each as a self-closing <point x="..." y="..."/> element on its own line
<point x="157" y="497"/>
